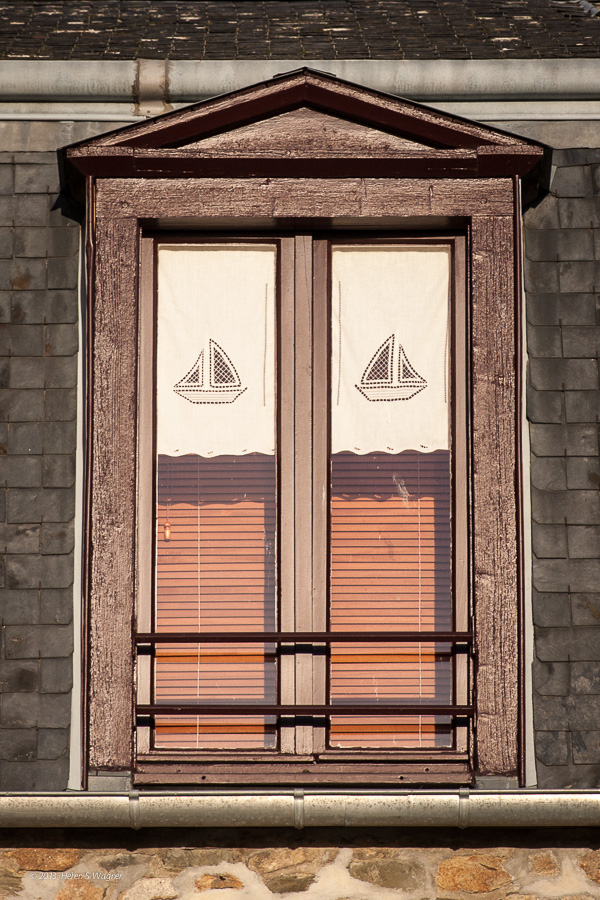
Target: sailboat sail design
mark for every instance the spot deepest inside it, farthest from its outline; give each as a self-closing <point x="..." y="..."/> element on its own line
<point x="389" y="375"/>
<point x="223" y="384"/>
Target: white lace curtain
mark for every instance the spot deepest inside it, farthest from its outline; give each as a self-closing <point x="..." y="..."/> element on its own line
<point x="216" y="349"/>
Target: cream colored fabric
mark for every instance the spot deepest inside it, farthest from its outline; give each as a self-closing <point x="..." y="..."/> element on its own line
<point x="215" y="349"/>
<point x="385" y="398"/>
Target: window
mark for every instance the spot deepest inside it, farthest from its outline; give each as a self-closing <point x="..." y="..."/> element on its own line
<point x="267" y="436"/>
<point x="310" y="532"/>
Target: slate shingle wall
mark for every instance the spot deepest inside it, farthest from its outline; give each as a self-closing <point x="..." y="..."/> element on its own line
<point x="562" y="279"/>
<point x="38" y="376"/>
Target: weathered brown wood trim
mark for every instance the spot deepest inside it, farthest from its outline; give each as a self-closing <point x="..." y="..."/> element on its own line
<point x="496" y="588"/>
<point x="294" y="199"/>
<point x="113" y="502"/>
<point x="205" y="164"/>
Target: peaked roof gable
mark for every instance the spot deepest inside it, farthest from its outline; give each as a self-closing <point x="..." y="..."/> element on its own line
<point x="275" y="127"/>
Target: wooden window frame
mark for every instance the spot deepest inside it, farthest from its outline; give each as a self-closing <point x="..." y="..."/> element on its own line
<point x="304" y="303"/>
<point x="485" y="212"/>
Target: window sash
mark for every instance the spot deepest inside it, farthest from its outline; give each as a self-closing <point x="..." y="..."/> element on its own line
<point x="303" y="481"/>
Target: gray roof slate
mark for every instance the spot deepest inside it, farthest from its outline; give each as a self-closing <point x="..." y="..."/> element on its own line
<point x="299" y="29"/>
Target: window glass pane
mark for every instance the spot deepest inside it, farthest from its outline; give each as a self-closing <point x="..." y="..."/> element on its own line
<point x="391" y="512"/>
<point x="215" y="488"/>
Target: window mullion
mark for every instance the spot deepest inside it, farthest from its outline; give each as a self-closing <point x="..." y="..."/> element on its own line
<point x="303" y="451"/>
<point x="287" y="555"/>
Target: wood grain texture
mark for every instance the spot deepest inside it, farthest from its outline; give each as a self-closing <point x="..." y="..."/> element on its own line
<point x="495" y="548"/>
<point x="112" y="530"/>
<point x="296" y="198"/>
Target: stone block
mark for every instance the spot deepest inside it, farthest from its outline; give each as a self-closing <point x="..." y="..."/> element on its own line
<point x="570" y="374"/>
<point x="584" y="541"/>
<point x="26" y="340"/>
<point x="31" y="505"/>
<point x="585" y="746"/>
<point x="585" y="608"/>
<point x="36" y="179"/>
<point x="577" y="439"/>
<point x="6" y="243"/>
<point x="4" y="339"/>
<point x="18" y="743"/>
<point x="21" y="406"/>
<point x="549" y="473"/>
<point x="5" y="306"/>
<point x="559" y="574"/>
<point x="577" y="309"/>
<point x="20" y="538"/>
<point x="549" y="541"/>
<point x="18" y="676"/>
<point x="28" y="372"/>
<point x="52" y="743"/>
<point x="24" y="438"/>
<point x="541" y="277"/>
<point x="552" y="747"/>
<point x="595" y="179"/>
<point x="63" y="272"/>
<point x="41" y="775"/>
<point x="583" y="473"/>
<point x="581" y="341"/>
<point x="24" y="275"/>
<point x="4" y="373"/>
<point x="56" y="675"/>
<point x="544" y="215"/>
<point x="53" y="307"/>
<point x="578" y="277"/>
<point x="395" y="874"/>
<point x="544" y="341"/>
<point x="56" y="538"/>
<point x="551" y="679"/>
<point x="25" y="571"/>
<point x="65" y="242"/>
<point x="545" y="406"/>
<point x="582" y="406"/>
<point x="61" y="405"/>
<point x="551" y="609"/>
<point x="585" y="678"/>
<point x="21" y="471"/>
<point x="20" y="607"/>
<point x="571" y="181"/>
<point x="61" y="340"/>
<point x="578" y="213"/>
<point x="61" y="371"/>
<point x="8" y="209"/>
<point x="58" y="471"/>
<point x="543" y="309"/>
<point x="31" y="242"/>
<point x="570" y="777"/>
<point x="575" y="156"/>
<point x="31" y="209"/>
<point x="7" y="178"/>
<point x="575" y="244"/>
<point x="58" y="437"/>
<point x="37" y="641"/>
<point x="478" y="874"/>
<point x="568" y="644"/>
<point x="56" y="606"/>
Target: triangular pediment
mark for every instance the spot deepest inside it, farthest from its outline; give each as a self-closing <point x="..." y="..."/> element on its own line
<point x="298" y="124"/>
<point x="306" y="131"/>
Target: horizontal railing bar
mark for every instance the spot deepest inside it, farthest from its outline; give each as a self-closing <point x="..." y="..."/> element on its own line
<point x="303" y="637"/>
<point x="261" y="709"/>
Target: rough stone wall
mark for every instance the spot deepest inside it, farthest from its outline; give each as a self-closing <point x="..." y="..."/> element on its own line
<point x="562" y="277"/>
<point x="316" y="865"/>
<point x="38" y="375"/>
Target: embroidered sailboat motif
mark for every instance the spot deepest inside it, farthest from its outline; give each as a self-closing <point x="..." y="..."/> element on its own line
<point x="389" y="375"/>
<point x="223" y="383"/>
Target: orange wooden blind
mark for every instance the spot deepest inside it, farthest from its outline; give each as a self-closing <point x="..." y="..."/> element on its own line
<point x="390" y="570"/>
<point x="216" y="572"/>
